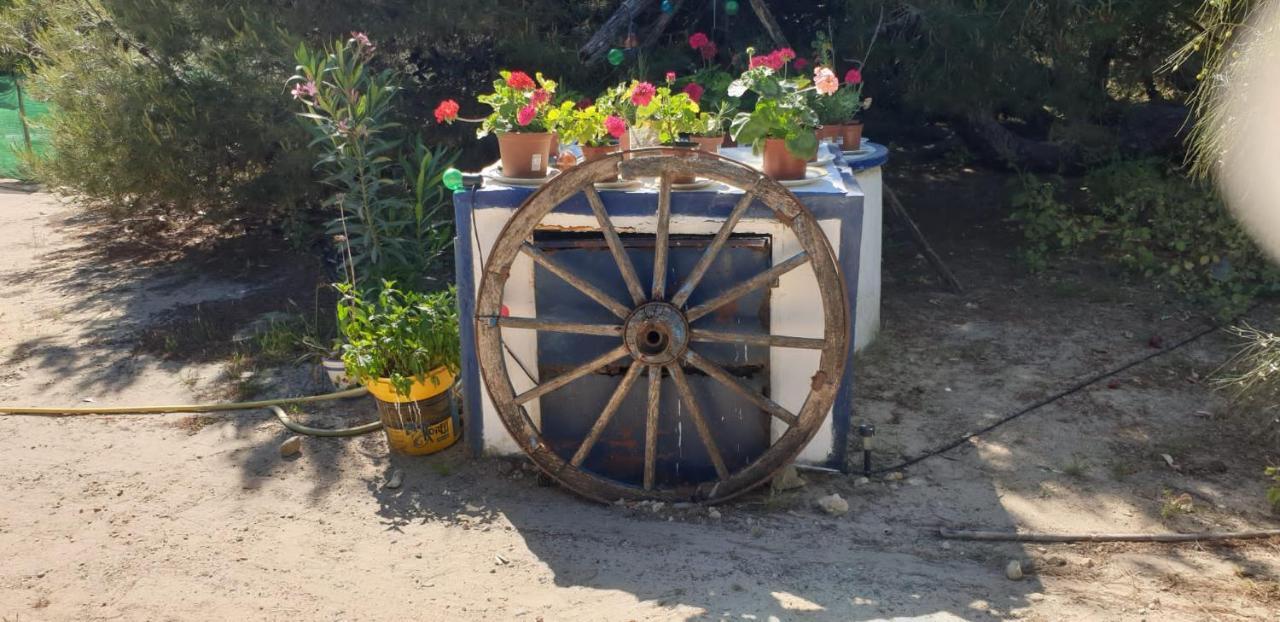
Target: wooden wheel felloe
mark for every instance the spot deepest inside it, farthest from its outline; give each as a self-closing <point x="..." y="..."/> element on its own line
<point x="654" y="331"/>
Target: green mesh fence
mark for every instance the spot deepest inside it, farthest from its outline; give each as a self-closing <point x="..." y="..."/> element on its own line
<point x="12" y="140"/>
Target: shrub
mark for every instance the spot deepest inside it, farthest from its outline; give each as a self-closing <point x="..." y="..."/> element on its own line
<point x="1151" y="219"/>
<point x="198" y="131"/>
<point x="391" y="204"/>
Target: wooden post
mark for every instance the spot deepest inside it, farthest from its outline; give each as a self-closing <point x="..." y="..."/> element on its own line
<point x="598" y="45"/>
<point x="651" y="39"/>
<point x="770" y="24"/>
<point x="22" y="114"/>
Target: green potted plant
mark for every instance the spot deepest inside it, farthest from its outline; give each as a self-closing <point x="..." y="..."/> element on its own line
<point x="595" y="132"/>
<point x="520" y="108"/>
<point x="669" y="116"/>
<point x="616" y="101"/>
<point x="404" y="346"/>
<point x="709" y="130"/>
<point x="782" y="125"/>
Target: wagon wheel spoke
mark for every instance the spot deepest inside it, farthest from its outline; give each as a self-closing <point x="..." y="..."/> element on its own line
<point x="576" y="328"/>
<point x="695" y="413"/>
<point x="620" y="257"/>
<point x="709" y="255"/>
<point x="594" y="364"/>
<point x="661" y="243"/>
<point x="727" y="379"/>
<point x="576" y="281"/>
<point x="651" y="425"/>
<point x="615" y="400"/>
<point x="747" y="286"/>
<point x="776" y="341"/>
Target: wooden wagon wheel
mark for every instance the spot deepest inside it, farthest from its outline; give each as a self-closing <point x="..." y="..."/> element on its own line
<point x="653" y="328"/>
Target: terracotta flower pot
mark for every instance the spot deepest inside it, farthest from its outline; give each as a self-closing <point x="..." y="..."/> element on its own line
<point x="852" y="134"/>
<point x="555" y="144"/>
<point x="590" y="153"/>
<point x="684" y="149"/>
<point x="709" y="144"/>
<point x="829" y="132"/>
<point x="779" y="163"/>
<point x="526" y="155"/>
<point x="728" y="142"/>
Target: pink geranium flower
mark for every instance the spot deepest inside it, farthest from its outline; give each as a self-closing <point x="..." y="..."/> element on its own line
<point x="671" y="77"/>
<point x="615" y="126"/>
<point x="853" y="76"/>
<point x="304" y="89"/>
<point x="694" y="91"/>
<point x="708" y="51"/>
<point x="361" y="40"/>
<point x="539" y="97"/>
<point x="525" y="115"/>
<point x="699" y="40"/>
<point x="642" y="93"/>
<point x="824" y="80"/>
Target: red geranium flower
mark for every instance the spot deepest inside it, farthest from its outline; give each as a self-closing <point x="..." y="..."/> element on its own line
<point x="801" y="63"/>
<point x="671" y="77"/>
<point x="520" y="80"/>
<point x="642" y="93"/>
<point x="525" y="115"/>
<point x="708" y="51"/>
<point x="853" y="76"/>
<point x="585" y="102"/>
<point x="615" y="126"/>
<point x="786" y="54"/>
<point x="772" y="60"/>
<point x="539" y="97"/>
<point x="694" y="91"/>
<point x="699" y="40"/>
<point x="447" y="111"/>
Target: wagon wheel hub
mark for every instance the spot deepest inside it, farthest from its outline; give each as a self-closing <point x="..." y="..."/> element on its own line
<point x="656" y="333"/>
<point x="653" y="329"/>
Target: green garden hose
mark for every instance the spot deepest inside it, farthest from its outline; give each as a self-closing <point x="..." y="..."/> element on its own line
<point x="273" y="404"/>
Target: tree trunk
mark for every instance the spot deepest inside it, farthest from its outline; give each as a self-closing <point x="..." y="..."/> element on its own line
<point x="997" y="143"/>
<point x="596" y="47"/>
<point x="770" y="24"/>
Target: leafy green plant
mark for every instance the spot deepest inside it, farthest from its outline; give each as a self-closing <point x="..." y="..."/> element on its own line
<point x="668" y="114"/>
<point x="585" y="126"/>
<point x="519" y="104"/>
<point x="398" y="335"/>
<point x="782" y="110"/>
<point x="714" y="122"/>
<point x="1149" y="218"/>
<point x="389" y="198"/>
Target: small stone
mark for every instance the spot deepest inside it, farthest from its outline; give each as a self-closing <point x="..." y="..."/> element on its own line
<point x="864" y="480"/>
<point x="1088" y="563"/>
<point x="915" y="481"/>
<point x="833" y="504"/>
<point x="787" y="479"/>
<point x="946" y="545"/>
<point x="657" y="507"/>
<point x="894" y="476"/>
<point x="1035" y="597"/>
<point x="292" y="446"/>
<point x="396" y="479"/>
<point x="714" y="513"/>
<point x="1013" y="570"/>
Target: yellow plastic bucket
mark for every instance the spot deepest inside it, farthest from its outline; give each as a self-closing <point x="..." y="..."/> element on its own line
<point x="422" y="422"/>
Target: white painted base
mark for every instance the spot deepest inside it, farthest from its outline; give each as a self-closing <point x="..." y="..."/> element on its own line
<point x="867" y="300"/>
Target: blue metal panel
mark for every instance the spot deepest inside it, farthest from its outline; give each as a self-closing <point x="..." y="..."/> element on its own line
<point x="842" y="203"/>
<point x="740" y="430"/>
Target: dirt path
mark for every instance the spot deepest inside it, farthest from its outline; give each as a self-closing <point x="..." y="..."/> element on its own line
<point x="198" y="518"/>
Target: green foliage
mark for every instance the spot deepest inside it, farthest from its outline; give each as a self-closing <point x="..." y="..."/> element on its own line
<point x="781" y="111"/>
<point x="398" y="335"/>
<point x="840" y="107"/>
<point x="389" y="198"/>
<point x="669" y="115"/>
<point x="1155" y="222"/>
<point x="584" y="126"/>
<point x="517" y="108"/>
<point x="196" y="133"/>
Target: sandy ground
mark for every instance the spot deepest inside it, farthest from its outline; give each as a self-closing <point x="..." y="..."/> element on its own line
<point x="177" y="517"/>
